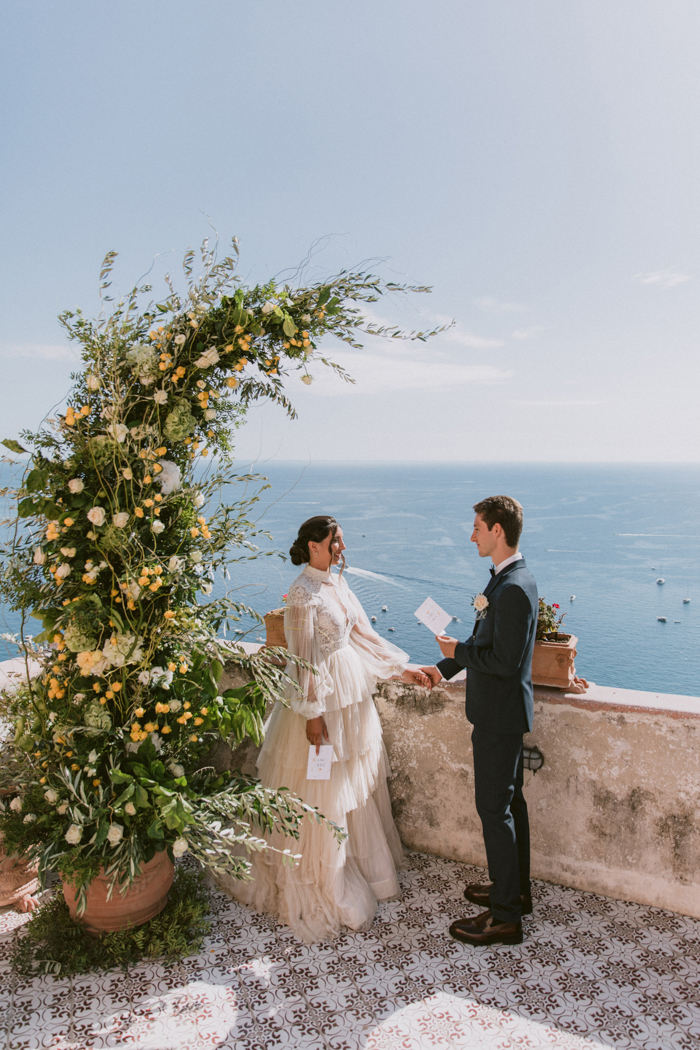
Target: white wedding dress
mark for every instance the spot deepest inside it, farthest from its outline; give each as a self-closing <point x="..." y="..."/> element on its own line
<point x="332" y="885"/>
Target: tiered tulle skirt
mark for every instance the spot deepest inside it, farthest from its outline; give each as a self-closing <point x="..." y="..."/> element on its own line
<point x="332" y="885"/>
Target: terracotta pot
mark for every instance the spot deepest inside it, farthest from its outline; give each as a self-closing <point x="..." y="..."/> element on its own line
<point x="18" y="881"/>
<point x="553" y="664"/>
<point x="145" y="898"/>
<point x="274" y="628"/>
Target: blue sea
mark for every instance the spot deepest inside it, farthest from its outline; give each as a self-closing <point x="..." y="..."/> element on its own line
<point x="601" y="533"/>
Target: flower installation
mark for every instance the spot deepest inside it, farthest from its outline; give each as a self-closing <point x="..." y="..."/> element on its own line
<point x="118" y="535"/>
<point x="548" y="623"/>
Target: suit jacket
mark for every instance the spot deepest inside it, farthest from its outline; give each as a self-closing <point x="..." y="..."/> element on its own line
<point x="498" y="656"/>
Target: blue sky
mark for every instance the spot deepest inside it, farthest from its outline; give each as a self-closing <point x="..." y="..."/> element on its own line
<point x="537" y="162"/>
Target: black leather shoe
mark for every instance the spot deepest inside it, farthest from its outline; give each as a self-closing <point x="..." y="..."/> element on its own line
<point x="483" y="929"/>
<point x="479" y="894"/>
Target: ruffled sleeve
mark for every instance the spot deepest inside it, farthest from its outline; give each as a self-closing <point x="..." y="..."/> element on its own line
<point x="380" y="658"/>
<point x="309" y="699"/>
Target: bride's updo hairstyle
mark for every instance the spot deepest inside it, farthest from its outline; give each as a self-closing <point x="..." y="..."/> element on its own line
<point x="315" y="530"/>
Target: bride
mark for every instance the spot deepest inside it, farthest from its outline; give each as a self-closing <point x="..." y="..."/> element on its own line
<point x="332" y="885"/>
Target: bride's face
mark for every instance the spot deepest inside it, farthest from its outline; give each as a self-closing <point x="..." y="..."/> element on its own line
<point x="326" y="553"/>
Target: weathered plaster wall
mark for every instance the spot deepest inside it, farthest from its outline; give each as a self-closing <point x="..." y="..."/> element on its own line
<point x="615" y="809"/>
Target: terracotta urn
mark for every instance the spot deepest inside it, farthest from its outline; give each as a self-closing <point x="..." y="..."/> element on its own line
<point x="274" y="628"/>
<point x="145" y="898"/>
<point x="18" y="881"/>
<point x="553" y="664"/>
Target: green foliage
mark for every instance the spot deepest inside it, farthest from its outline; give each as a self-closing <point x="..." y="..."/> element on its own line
<point x="117" y="539"/>
<point x="52" y="942"/>
<point x="548" y="623"/>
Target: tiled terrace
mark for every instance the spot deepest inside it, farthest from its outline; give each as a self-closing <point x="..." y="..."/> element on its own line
<point x="592" y="972"/>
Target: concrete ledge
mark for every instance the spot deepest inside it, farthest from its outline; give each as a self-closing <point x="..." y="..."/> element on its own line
<point x="615" y="809"/>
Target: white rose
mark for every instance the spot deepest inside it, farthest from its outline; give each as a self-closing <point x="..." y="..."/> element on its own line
<point x="115" y="834"/>
<point x="144" y="678"/>
<point x="179" y="847"/>
<point x="157" y="741"/>
<point x="176" y="564"/>
<point x="481" y="602"/>
<point x="210" y="413"/>
<point x="160" y="397"/>
<point x="196" y="557"/>
<point x="128" y="474"/>
<point x="39" y="557"/>
<point x="93" y="382"/>
<point x="206" y="588"/>
<point x="73" y="835"/>
<point x="96" y="515"/>
<point x="208" y="358"/>
<point x="169" y="476"/>
<point x="175" y="705"/>
<point x="75" y="485"/>
<point x="179" y="339"/>
<point x="16" y="805"/>
<point x="130" y="809"/>
<point x="51" y="796"/>
<point x="120" y="519"/>
<point x="307" y="379"/>
<point x="90" y="770"/>
<point x="157" y="527"/>
<point x="62" y="808"/>
<point x="306" y="318"/>
<point x="268" y="308"/>
<point x="63" y="570"/>
<point x="68" y="552"/>
<point x="176" y="769"/>
<point x="29" y="818"/>
<point x="118" y="431"/>
<point x="92" y="757"/>
<point x="198" y="500"/>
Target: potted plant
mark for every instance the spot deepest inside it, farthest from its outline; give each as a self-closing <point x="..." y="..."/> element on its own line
<point x="118" y="535"/>
<point x="554" y="653"/>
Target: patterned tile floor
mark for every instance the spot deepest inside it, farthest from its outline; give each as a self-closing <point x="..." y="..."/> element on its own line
<point x="592" y="973"/>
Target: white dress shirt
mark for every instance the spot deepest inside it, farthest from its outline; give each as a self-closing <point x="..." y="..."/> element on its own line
<point x="508" y="561"/>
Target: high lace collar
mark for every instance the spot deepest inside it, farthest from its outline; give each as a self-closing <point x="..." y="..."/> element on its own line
<point x="323" y="575"/>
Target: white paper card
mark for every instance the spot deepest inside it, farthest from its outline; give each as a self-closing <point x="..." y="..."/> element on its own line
<point x="433" y="616"/>
<point x="319" y="765"/>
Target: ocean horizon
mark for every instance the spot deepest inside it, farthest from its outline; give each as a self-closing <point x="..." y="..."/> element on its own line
<point x="597" y="537"/>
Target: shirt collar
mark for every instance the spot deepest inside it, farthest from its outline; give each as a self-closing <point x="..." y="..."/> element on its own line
<point x="323" y="575"/>
<point x="508" y="561"/>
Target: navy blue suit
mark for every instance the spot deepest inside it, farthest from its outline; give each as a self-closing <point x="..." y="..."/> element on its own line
<point x="498" y="659"/>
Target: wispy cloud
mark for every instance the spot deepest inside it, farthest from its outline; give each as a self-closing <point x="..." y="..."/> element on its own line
<point x="557" y="404"/>
<point x="39" y="351"/>
<point x="528" y="333"/>
<point x="398" y="370"/>
<point x="469" y="339"/>
<point x="664" y="278"/>
<point x="497" y="306"/>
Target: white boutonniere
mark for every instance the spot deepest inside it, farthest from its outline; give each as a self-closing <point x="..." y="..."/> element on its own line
<point x="481" y="604"/>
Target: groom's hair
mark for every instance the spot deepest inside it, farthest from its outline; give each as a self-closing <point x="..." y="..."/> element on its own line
<point x="507" y="512"/>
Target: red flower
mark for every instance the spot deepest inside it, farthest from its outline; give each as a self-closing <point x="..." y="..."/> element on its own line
<point x="554" y="606"/>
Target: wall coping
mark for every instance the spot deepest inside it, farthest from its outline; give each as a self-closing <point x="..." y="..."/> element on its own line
<point x="596" y="697"/>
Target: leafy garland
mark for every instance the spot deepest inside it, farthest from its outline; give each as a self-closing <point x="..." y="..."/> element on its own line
<point x="112" y="549"/>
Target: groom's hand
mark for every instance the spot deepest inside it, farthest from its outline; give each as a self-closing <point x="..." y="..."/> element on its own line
<point x="433" y="674"/>
<point x="447" y="644"/>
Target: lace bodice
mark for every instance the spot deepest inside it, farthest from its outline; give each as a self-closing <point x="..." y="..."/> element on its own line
<point x="323" y="615"/>
<point x="333" y="617"/>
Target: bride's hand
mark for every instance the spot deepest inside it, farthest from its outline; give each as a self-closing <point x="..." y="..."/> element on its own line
<point x="418" y="677"/>
<point x="316" y="731"/>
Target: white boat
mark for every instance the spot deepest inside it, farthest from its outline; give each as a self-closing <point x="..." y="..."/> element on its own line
<point x="676" y="621"/>
<point x="662" y="619"/>
<point x="385" y="608"/>
<point x="661" y="580"/>
<point x="391" y="628"/>
<point x="572" y="598"/>
<point x="686" y="601"/>
<point x="374" y="619"/>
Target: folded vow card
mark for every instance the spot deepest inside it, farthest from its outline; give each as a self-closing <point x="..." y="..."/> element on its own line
<point x="319" y="765"/>
<point x="433" y="616"/>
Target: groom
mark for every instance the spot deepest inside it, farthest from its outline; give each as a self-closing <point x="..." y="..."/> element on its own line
<point x="498" y="658"/>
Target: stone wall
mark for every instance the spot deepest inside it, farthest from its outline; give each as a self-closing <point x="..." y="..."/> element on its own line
<point x="615" y="809"/>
